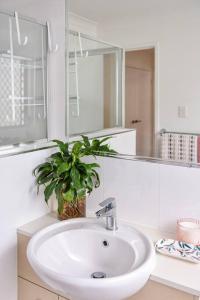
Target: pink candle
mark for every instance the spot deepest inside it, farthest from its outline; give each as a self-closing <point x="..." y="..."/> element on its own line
<point x="188" y="230"/>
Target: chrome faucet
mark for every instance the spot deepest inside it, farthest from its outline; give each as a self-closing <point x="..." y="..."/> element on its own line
<point x="109" y="212"/>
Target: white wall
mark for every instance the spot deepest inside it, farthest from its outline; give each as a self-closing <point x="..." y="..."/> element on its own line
<point x="151" y="194"/>
<point x="80" y="24"/>
<point x="19" y="201"/>
<point x="19" y="205"/>
<point x="176" y="30"/>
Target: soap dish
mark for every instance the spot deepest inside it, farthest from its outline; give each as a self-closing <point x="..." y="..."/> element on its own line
<point x="179" y="250"/>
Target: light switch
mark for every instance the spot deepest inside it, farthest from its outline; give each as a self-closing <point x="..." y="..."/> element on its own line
<point x="182" y="112"/>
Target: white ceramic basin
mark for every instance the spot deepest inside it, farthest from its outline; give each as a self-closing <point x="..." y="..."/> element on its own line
<point x="65" y="256"/>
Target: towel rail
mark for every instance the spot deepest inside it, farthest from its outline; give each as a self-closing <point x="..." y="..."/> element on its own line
<point x="163" y="131"/>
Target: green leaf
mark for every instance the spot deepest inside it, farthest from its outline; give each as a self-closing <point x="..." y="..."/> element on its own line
<point x="95" y="144"/>
<point x="42" y="167"/>
<point x="81" y="167"/>
<point x="44" y="178"/>
<point x="77" y="147"/>
<point x="49" y="190"/>
<point x="75" y="176"/>
<point x="62" y="146"/>
<point x="69" y="195"/>
<point x="86" y="141"/>
<point x="105" y="139"/>
<point x="66" y="176"/>
<point x="81" y="192"/>
<point x="93" y="165"/>
<point x="89" y="184"/>
<point x="64" y="167"/>
<point x="96" y="178"/>
<point x="58" y="191"/>
<point x="104" y="150"/>
<point x="56" y="158"/>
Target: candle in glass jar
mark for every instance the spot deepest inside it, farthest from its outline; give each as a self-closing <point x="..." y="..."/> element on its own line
<point x="188" y="230"/>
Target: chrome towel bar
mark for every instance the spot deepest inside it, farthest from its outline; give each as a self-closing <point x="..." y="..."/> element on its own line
<point x="164" y="131"/>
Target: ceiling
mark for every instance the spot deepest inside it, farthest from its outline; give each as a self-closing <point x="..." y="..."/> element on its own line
<point x="103" y="10"/>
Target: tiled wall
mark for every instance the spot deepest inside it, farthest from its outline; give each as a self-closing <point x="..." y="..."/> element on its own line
<point x="152" y="194"/>
<point x="19" y="204"/>
<point x="179" y="195"/>
<point x="19" y="201"/>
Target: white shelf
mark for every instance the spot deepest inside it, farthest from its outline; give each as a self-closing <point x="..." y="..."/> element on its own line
<point x="23" y="99"/>
<point x="29" y="104"/>
<point x="18" y="66"/>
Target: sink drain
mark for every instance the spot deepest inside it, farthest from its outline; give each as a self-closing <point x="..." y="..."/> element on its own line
<point x="98" y="275"/>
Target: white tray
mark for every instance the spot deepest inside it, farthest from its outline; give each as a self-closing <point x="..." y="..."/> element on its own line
<point x="179" y="250"/>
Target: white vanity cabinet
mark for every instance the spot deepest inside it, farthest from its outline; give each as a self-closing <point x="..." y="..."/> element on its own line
<point x="30" y="291"/>
<point x="30" y="287"/>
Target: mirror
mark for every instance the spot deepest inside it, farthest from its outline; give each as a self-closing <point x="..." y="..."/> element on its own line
<point x="95" y="89"/>
<point x="161" y="86"/>
<point x="23" y="80"/>
<point x="32" y="53"/>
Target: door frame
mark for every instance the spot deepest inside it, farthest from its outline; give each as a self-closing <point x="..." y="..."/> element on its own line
<point x="136" y="47"/>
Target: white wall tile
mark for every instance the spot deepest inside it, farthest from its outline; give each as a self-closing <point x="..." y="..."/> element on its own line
<point x="19" y="204"/>
<point x="152" y="194"/>
<point x="19" y="201"/>
<point x="135" y="186"/>
<point x="179" y="195"/>
<point x="97" y="194"/>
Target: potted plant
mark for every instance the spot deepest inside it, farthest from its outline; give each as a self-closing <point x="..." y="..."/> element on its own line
<point x="69" y="177"/>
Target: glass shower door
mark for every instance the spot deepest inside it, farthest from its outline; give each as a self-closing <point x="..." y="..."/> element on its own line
<point x="23" y="80"/>
<point x="95" y="85"/>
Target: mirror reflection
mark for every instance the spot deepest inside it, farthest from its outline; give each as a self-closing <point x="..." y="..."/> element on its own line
<point x="32" y="54"/>
<point x="23" y="71"/>
<point x="161" y="87"/>
<point x="95" y="76"/>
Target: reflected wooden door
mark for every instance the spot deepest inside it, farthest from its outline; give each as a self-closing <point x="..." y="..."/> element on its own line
<point x="139" y="108"/>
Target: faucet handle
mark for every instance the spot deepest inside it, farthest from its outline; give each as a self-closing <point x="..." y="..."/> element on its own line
<point x="107" y="202"/>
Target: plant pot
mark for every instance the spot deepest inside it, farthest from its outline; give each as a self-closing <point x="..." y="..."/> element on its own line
<point x="75" y="209"/>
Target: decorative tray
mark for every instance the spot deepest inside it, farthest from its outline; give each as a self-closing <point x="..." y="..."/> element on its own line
<point x="179" y="250"/>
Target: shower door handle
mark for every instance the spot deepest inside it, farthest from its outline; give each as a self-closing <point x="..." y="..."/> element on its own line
<point x="136" y="121"/>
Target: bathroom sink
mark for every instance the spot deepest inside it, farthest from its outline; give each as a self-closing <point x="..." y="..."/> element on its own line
<point x="82" y="260"/>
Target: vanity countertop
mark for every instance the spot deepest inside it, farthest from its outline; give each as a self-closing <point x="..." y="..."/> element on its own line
<point x="169" y="271"/>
